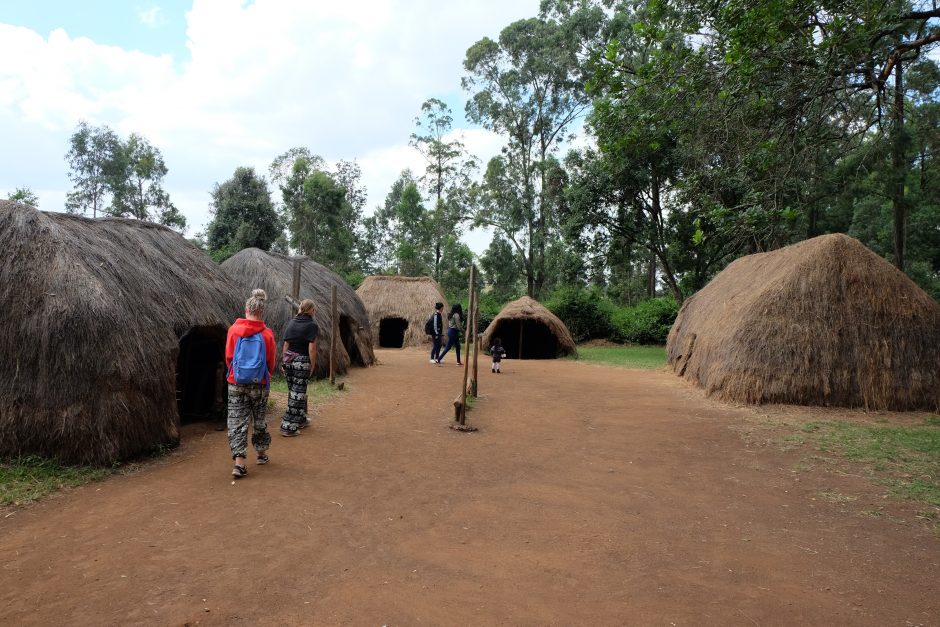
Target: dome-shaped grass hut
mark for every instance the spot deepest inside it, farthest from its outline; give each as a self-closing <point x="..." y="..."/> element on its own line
<point x="112" y="329"/>
<point x="398" y="307"/>
<point x="528" y="330"/>
<point x="822" y="322"/>
<point x="252" y="268"/>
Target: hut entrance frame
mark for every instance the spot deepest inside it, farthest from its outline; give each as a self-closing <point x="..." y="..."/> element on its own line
<point x="200" y="374"/>
<point x="392" y="332"/>
<point x="527" y="339"/>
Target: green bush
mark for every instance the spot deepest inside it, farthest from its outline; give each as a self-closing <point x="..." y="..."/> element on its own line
<point x="586" y="313"/>
<point x="645" y="323"/>
<point x="489" y="309"/>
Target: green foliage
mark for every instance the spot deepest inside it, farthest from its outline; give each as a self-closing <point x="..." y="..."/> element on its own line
<point x="490" y="306"/>
<point x="647" y="322"/>
<point x="24" y="195"/>
<point x="130" y="173"/>
<point x="354" y="278"/>
<point x="28" y="479"/>
<point x="243" y="215"/>
<point x="586" y="312"/>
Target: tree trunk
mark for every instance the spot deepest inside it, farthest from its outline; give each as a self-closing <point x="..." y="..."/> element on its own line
<point x="651" y="278"/>
<point x="898" y="163"/>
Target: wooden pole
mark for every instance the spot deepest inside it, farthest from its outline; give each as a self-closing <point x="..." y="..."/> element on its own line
<point x="463" y="383"/>
<point x="476" y="342"/>
<point x="521" y="328"/>
<point x="333" y="332"/>
<point x="295" y="284"/>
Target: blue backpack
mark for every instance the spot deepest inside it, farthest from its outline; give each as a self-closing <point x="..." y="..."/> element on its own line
<point x="249" y="362"/>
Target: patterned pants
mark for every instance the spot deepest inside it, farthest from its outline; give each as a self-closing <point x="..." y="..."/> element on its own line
<point x="247" y="403"/>
<point x="297" y="373"/>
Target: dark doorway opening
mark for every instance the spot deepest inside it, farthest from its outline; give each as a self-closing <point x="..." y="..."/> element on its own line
<point x="392" y="332"/>
<point x="527" y="339"/>
<point x="347" y="333"/>
<point x="200" y="375"/>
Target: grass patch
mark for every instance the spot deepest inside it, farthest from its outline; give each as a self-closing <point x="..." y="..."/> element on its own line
<point x="28" y="479"/>
<point x="906" y="458"/>
<point x="317" y="390"/>
<point x="646" y="357"/>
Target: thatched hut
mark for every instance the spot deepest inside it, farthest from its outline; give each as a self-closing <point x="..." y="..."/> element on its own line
<point x="822" y="322"/>
<point x="528" y="330"/>
<point x="252" y="268"/>
<point x="398" y="307"/>
<point x="112" y="330"/>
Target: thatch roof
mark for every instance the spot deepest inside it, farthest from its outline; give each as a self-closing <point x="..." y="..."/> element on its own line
<point x="93" y="315"/>
<point x="410" y="299"/>
<point x="822" y="322"/>
<point x="253" y="268"/>
<point x="526" y="326"/>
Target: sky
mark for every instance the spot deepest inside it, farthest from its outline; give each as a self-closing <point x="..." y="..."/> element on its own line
<point x="218" y="84"/>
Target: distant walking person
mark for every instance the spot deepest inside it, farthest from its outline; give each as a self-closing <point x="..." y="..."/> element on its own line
<point x="250" y="357"/>
<point x="436" y="327"/>
<point x="497" y="352"/>
<point x="454" y="328"/>
<point x="300" y="354"/>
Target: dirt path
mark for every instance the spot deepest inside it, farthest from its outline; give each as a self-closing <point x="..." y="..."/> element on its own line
<point x="590" y="495"/>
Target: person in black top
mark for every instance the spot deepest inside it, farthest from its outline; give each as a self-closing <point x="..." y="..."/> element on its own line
<point x="299" y="355"/>
<point x="437" y="326"/>
<point x="497" y="352"/>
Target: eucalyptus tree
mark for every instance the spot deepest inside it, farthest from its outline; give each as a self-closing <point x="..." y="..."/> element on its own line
<point x="528" y="86"/>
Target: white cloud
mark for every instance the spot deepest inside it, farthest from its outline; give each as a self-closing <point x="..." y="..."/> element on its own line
<point x="150" y="17"/>
<point x="345" y="79"/>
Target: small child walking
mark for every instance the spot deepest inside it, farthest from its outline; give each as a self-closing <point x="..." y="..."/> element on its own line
<point x="497" y="352"/>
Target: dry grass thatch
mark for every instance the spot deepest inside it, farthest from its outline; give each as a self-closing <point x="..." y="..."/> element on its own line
<point x="252" y="268"/>
<point x="822" y="322"/>
<point x="398" y="307"/>
<point x="94" y="312"/>
<point x="528" y="330"/>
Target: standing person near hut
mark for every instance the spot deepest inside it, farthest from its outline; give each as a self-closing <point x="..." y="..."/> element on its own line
<point x="497" y="352"/>
<point x="437" y="331"/>
<point x="300" y="349"/>
<point x="250" y="355"/>
<point x="454" y="327"/>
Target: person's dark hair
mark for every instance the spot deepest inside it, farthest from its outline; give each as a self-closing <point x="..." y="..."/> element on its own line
<point x="497" y="341"/>
<point x="456" y="309"/>
<point x="438" y="306"/>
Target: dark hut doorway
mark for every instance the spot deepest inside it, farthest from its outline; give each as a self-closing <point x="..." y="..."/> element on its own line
<point x="527" y="339"/>
<point x="347" y="335"/>
<point x="392" y="332"/>
<point x="200" y="375"/>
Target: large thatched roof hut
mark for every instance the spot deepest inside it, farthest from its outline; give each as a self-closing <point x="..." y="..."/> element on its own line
<point x="252" y="268"/>
<point x="398" y="307"/>
<point x="528" y="330"/>
<point x="822" y="322"/>
<point x="111" y="330"/>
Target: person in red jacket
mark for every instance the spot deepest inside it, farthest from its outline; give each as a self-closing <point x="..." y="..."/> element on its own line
<point x="247" y="401"/>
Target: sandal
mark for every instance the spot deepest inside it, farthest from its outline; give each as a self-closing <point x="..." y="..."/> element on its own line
<point x="239" y="471"/>
<point x="263" y="459"/>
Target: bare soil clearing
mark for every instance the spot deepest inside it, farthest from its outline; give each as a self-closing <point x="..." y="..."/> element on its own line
<point x="590" y="495"/>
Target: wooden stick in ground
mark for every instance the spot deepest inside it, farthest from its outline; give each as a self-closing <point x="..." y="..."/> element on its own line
<point x="463" y="383"/>
<point x="333" y="332"/>
<point x="476" y="343"/>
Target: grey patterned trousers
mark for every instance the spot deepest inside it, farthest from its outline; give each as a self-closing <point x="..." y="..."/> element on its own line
<point x="297" y="373"/>
<point x="247" y="403"/>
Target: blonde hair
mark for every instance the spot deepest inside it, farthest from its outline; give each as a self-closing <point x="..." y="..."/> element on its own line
<point x="307" y="307"/>
<point x="255" y="304"/>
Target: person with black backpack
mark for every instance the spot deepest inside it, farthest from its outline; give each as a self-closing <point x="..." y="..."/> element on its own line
<point x="250" y="356"/>
<point x="435" y="328"/>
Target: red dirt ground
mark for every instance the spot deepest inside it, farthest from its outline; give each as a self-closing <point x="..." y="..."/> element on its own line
<point x="591" y="495"/>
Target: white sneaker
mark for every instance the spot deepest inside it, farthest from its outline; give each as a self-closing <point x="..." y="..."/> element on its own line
<point x="433" y="361"/>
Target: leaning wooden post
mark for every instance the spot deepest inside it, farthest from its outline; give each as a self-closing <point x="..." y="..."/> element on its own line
<point x="463" y="384"/>
<point x="334" y="328"/>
